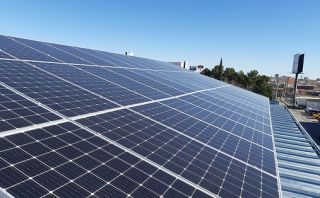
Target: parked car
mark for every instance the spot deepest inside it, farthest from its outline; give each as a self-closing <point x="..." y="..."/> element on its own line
<point x="311" y="111"/>
<point x="316" y="116"/>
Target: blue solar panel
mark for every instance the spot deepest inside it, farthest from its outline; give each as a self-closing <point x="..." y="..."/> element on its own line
<point x="130" y="61"/>
<point x="17" y="112"/>
<point x="68" y="99"/>
<point x="88" y="123"/>
<point x="223" y="135"/>
<point x="152" y="82"/>
<point x="102" y="86"/>
<point x="74" y="51"/>
<point x="4" y="55"/>
<point x="59" y="55"/>
<point x="136" y="86"/>
<point x="202" y="162"/>
<point x="66" y="160"/>
<point x="21" y="51"/>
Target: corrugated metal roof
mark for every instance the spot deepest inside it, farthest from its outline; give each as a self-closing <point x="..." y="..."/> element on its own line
<point x="299" y="164"/>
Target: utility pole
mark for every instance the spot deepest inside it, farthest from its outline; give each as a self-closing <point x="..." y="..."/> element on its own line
<point x="295" y="89"/>
<point x="285" y="88"/>
<point x="297" y="69"/>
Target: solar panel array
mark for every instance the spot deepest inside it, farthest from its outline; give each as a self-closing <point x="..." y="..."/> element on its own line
<point x="76" y="122"/>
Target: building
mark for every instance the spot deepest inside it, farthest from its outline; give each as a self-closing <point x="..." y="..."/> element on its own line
<point x="185" y="65"/>
<point x="283" y="87"/>
<point x="198" y="68"/>
<point x="182" y="64"/>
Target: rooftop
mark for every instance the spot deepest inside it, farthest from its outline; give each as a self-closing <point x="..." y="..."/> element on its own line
<point x="297" y="155"/>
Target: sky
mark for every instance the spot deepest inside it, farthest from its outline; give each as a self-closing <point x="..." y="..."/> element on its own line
<point x="248" y="34"/>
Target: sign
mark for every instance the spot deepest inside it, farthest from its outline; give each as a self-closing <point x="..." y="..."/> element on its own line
<point x="297" y="66"/>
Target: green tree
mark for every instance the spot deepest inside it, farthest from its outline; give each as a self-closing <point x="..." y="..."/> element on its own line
<point x="262" y="86"/>
<point x="251" y="81"/>
<point x="252" y="78"/>
<point x="242" y="79"/>
<point x="229" y="75"/>
<point x="220" y="77"/>
<point x="206" y="72"/>
<point x="216" y="72"/>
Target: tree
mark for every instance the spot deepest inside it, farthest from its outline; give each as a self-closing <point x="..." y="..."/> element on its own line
<point x="206" y="72"/>
<point x="251" y="81"/>
<point x="252" y="78"/>
<point x="220" y="77"/>
<point x="216" y="72"/>
<point x="242" y="79"/>
<point x="229" y="75"/>
<point x="262" y="87"/>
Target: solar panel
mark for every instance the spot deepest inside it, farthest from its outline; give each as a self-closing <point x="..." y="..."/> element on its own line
<point x="104" y="87"/>
<point x="4" y="55"/>
<point x="62" y="96"/>
<point x="15" y="49"/>
<point x="77" y="122"/>
<point x="18" y="112"/>
<point x="74" y="51"/>
<point x="59" y="55"/>
<point x="65" y="160"/>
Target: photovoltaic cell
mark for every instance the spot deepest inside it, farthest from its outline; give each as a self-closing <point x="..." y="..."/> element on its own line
<point x="224" y="118"/>
<point x="255" y="103"/>
<point x="230" y="109"/>
<point x="71" y="169"/>
<point x="4" y="55"/>
<point x="180" y="154"/>
<point x="138" y="77"/>
<point x="18" y="112"/>
<point x="221" y="138"/>
<point x="161" y="77"/>
<point x="131" y="61"/>
<point x="117" y="61"/>
<point x="21" y="51"/>
<point x="57" y="94"/>
<point x="75" y="52"/>
<point x="96" y="84"/>
<point x="127" y="82"/>
<point x="59" y="55"/>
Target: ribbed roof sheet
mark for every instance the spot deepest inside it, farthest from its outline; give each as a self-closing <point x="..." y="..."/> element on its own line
<point x="298" y="161"/>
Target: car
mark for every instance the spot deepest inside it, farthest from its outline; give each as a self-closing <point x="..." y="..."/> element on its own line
<point x="312" y="111"/>
<point x="316" y="116"/>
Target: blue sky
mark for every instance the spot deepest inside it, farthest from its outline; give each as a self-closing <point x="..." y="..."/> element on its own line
<point x="262" y="35"/>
